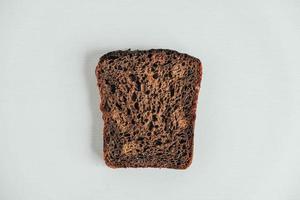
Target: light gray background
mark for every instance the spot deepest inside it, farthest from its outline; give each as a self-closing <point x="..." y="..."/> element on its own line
<point x="247" y="130"/>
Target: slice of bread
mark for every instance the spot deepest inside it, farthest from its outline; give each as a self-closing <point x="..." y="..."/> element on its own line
<point x="148" y="101"/>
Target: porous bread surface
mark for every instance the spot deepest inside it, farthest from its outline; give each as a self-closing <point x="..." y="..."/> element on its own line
<point x="148" y="101"/>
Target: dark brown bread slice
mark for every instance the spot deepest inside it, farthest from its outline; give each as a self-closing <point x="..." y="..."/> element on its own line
<point x="148" y="100"/>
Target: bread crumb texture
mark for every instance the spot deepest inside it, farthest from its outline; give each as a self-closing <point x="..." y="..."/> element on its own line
<point x="148" y="101"/>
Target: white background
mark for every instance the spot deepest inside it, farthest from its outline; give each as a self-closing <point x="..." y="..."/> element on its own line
<point x="247" y="136"/>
